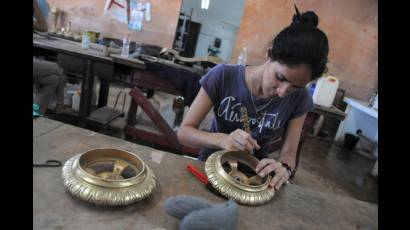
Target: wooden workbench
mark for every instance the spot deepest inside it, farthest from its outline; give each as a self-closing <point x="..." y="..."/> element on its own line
<point x="71" y="56"/>
<point x="67" y="47"/>
<point x="330" y="112"/>
<point x="155" y="75"/>
<point x="293" y="207"/>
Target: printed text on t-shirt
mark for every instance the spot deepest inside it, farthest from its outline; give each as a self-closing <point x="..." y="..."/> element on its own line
<point x="229" y="109"/>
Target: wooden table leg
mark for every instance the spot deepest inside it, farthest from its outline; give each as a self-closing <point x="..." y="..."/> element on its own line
<point x="86" y="92"/>
<point x="104" y="92"/>
<point x="155" y="116"/>
<point x="132" y="113"/>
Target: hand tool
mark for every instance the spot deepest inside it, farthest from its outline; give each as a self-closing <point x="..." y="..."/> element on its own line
<point x="245" y="121"/>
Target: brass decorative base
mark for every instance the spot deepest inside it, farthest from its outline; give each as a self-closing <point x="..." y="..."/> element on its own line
<point x="222" y="169"/>
<point x="108" y="177"/>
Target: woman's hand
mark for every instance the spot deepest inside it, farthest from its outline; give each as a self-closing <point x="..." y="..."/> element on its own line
<point x="239" y="140"/>
<point x="265" y="166"/>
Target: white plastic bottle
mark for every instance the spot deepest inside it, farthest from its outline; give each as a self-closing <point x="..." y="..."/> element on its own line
<point x="76" y="101"/>
<point x="376" y="102"/>
<point x="325" y="91"/>
<point x="125" y="47"/>
<point x="243" y="56"/>
<point x="85" y="41"/>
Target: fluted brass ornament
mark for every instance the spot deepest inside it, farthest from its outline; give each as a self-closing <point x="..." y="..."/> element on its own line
<point x="222" y="170"/>
<point x="108" y="176"/>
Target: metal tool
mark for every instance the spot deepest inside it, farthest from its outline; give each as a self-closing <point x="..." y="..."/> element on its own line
<point x="48" y="163"/>
<point x="245" y="121"/>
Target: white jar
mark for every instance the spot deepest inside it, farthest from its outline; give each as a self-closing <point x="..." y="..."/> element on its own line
<point x="325" y="91"/>
<point x="76" y="101"/>
<point x="125" y="47"/>
<point x="85" y="41"/>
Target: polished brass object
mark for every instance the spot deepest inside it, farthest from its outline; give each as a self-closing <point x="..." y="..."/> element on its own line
<point x="222" y="169"/>
<point x="108" y="176"/>
<point x="245" y="120"/>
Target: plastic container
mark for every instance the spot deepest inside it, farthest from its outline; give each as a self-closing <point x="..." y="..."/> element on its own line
<point x="76" y="101"/>
<point x="69" y="91"/>
<point x="125" y="51"/>
<point x="85" y="41"/>
<point x="67" y="97"/>
<point x="325" y="91"/>
<point x="350" y="141"/>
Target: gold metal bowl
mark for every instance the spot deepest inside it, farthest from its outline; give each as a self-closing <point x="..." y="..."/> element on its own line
<point x="108" y="176"/>
<point x="245" y="187"/>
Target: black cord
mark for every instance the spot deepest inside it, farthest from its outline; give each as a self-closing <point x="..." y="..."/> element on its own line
<point x="48" y="163"/>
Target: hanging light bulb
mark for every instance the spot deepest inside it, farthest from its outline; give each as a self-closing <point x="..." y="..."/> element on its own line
<point x="203" y="4"/>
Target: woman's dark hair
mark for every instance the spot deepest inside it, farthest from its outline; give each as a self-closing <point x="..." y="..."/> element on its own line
<point x="302" y="43"/>
<point x="309" y="17"/>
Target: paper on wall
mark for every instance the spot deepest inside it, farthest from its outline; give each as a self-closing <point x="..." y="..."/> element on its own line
<point x="116" y="9"/>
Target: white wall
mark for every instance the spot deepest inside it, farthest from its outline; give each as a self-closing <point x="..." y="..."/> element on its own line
<point x="221" y="20"/>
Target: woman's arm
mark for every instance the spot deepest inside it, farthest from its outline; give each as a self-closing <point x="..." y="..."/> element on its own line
<point x="287" y="155"/>
<point x="189" y="134"/>
<point x="291" y="142"/>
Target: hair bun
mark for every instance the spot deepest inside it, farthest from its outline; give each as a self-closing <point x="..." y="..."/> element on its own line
<point x="307" y="18"/>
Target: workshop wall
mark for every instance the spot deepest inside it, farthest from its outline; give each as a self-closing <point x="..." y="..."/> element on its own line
<point x="88" y="15"/>
<point x="351" y="27"/>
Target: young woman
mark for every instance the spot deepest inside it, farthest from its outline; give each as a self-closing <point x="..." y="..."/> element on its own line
<point x="273" y="93"/>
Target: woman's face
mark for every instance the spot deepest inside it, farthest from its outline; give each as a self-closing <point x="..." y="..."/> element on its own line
<point x="279" y="80"/>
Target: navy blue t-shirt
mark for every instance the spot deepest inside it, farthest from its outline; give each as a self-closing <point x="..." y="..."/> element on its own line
<point x="225" y="85"/>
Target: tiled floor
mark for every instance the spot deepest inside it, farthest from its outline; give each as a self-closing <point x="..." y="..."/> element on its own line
<point x="329" y="168"/>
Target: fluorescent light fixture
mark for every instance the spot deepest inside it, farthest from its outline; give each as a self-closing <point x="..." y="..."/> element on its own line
<point x="204" y="4"/>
